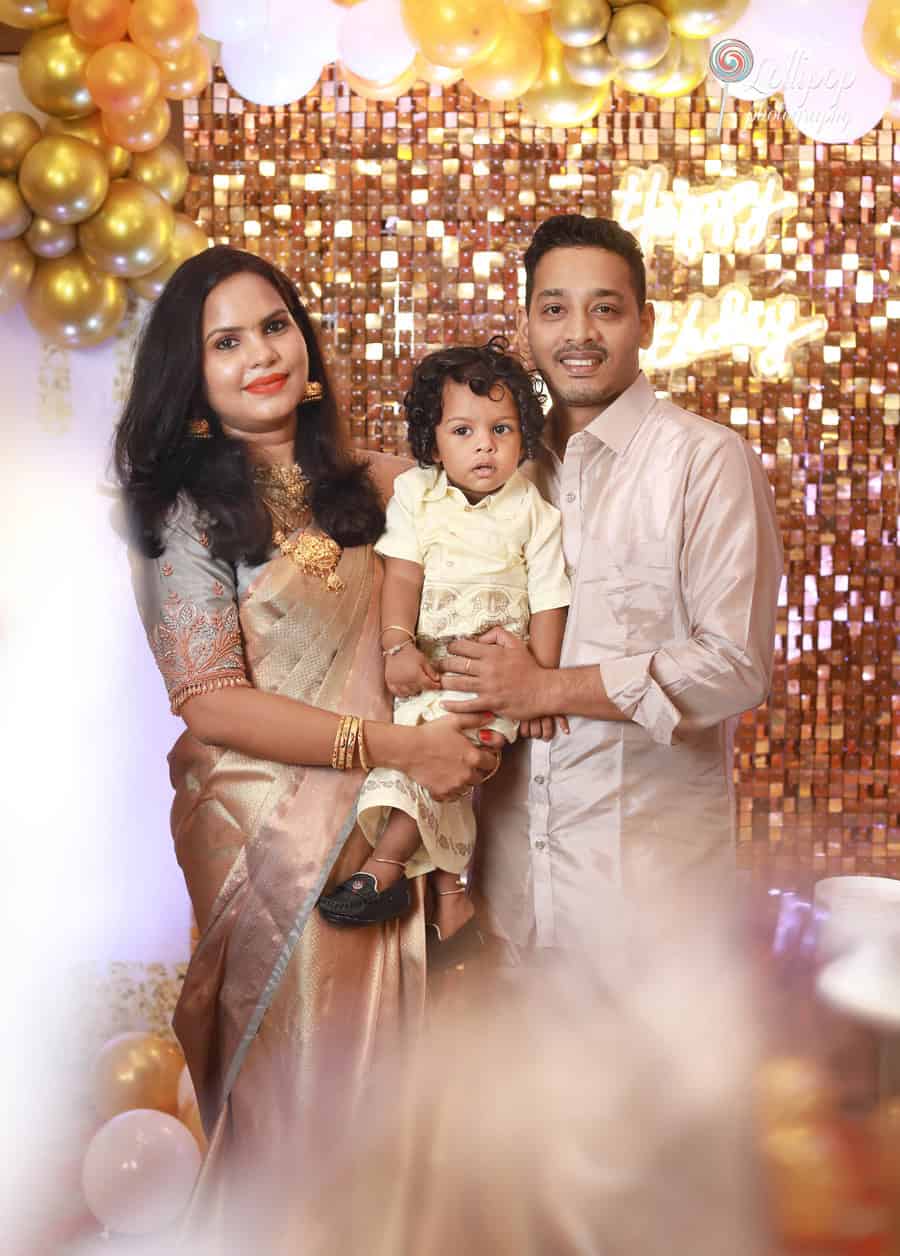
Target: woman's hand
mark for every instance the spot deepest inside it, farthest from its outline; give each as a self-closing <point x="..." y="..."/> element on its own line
<point x="408" y="672"/>
<point x="444" y="761"/>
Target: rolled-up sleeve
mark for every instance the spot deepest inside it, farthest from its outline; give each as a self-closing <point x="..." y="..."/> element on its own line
<point x="731" y="567"/>
<point x="187" y="600"/>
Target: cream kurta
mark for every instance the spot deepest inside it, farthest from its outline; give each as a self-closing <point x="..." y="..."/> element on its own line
<point x="489" y="564"/>
<point x="671" y="539"/>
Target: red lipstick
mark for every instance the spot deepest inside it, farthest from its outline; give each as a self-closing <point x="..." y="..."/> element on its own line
<point x="266" y="385"/>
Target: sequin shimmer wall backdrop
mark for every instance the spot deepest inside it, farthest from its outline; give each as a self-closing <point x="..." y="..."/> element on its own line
<point x="404" y="224"/>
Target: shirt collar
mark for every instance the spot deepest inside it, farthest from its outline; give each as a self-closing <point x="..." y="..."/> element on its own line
<point x="440" y="487"/>
<point x="618" y="423"/>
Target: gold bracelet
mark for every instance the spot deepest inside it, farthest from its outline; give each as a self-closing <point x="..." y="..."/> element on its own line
<point x="398" y="628"/>
<point x="345" y="761"/>
<point x="346" y="743"/>
<point x="337" y="740"/>
<point x="361" y="744"/>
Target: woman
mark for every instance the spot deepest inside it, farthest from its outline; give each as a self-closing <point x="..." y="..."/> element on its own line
<point x="259" y="591"/>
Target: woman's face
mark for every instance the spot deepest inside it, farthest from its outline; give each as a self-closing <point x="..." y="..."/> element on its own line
<point x="255" y="364"/>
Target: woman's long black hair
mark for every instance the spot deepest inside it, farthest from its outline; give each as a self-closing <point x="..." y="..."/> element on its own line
<point x="156" y="458"/>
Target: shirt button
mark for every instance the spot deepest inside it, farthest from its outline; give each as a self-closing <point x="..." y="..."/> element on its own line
<point x="570" y="497"/>
<point x="538" y="780"/>
<point x="539" y="845"/>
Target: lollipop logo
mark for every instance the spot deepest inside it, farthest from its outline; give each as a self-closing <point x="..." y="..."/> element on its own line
<point x="731" y="61"/>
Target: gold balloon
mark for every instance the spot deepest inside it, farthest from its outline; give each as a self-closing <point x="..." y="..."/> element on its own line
<point x="14" y="213"/>
<point x="654" y="76"/>
<point x="441" y="75"/>
<point x="18" y="132"/>
<point x="893" y="109"/>
<point x="51" y="71"/>
<point x="881" y="36"/>
<point x="164" y="28"/>
<point x="50" y="239"/>
<point x="638" y="36"/>
<point x="187" y="241"/>
<point x="137" y="1070"/>
<point x="590" y="66"/>
<point x="164" y="170"/>
<point x="123" y="78"/>
<point x="63" y="178"/>
<point x="698" y="19"/>
<point x="528" y="6"/>
<point x="90" y="129"/>
<point x="28" y="15"/>
<point x="99" y="22"/>
<point x="188" y="75"/>
<point x="16" y="269"/>
<point x="454" y="31"/>
<point x="58" y="6"/>
<point x="132" y="233"/>
<point x="555" y="100"/>
<point x="579" y="23"/>
<point x="370" y="90"/>
<point x="139" y="132"/>
<point x="511" y="66"/>
<point x="74" y="305"/>
<point x="692" y="70"/>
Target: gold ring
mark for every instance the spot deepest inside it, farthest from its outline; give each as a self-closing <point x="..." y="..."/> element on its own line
<point x="468" y="666"/>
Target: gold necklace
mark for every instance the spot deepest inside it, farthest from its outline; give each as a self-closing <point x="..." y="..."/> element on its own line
<point x="284" y="491"/>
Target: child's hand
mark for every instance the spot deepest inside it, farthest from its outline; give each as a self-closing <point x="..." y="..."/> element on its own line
<point x="408" y="672"/>
<point x="543" y="728"/>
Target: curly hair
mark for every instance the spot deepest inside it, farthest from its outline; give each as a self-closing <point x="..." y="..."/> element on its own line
<point x="156" y="459"/>
<point x="485" y="368"/>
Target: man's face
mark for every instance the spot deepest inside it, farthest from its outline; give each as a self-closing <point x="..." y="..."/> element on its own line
<point x="584" y="328"/>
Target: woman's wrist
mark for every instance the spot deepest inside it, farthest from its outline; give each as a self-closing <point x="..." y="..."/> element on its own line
<point x="387" y="745"/>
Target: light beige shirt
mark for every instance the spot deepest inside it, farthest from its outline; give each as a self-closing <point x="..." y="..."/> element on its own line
<point x="671" y="540"/>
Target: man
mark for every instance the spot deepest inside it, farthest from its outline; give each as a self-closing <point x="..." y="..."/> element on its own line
<point x="673" y="548"/>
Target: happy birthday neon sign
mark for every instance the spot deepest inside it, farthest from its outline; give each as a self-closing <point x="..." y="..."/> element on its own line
<point x="728" y="216"/>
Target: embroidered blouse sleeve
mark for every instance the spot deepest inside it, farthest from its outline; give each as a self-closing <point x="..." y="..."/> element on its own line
<point x="400" y="537"/>
<point x="188" y="603"/>
<point x="548" y="584"/>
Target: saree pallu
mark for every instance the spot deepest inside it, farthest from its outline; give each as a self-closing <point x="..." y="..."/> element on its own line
<point x="283" y="1018"/>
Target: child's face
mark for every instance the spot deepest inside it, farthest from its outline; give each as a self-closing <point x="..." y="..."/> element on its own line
<point x="478" y="441"/>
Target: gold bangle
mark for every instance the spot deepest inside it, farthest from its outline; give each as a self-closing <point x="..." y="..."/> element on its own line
<point x="346" y="743"/>
<point x="341" y="728"/>
<point x="494" y="770"/>
<point x="345" y="761"/>
<point x="398" y="628"/>
<point x="361" y="744"/>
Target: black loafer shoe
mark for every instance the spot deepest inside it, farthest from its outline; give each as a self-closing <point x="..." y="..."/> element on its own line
<point x="358" y="901"/>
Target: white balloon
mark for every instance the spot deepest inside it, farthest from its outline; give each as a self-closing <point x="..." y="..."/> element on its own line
<point x="231" y="20"/>
<point x="372" y="40"/>
<point x="139" y="1171"/>
<point x="836" y="95"/>
<point x="271" y="70"/>
<point x="11" y="94"/>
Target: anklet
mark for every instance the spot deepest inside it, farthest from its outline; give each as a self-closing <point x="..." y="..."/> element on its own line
<point x="461" y="890"/>
<point x="398" y="863"/>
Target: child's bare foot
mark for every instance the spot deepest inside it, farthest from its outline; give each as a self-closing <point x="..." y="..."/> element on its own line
<point x="452" y="905"/>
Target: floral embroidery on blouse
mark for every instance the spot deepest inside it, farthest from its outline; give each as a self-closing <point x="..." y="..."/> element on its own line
<point x="203" y="538"/>
<point x="167" y="569"/>
<point x="197" y="650"/>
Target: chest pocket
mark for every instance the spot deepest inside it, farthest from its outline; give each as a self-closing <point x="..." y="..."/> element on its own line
<point x="635" y="587"/>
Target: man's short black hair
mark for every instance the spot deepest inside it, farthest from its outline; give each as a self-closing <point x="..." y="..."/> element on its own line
<point x="486" y="369"/>
<point x="574" y="231"/>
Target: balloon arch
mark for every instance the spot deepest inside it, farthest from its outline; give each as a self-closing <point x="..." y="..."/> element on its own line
<point x="88" y="197"/>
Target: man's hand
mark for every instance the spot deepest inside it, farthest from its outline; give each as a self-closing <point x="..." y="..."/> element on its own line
<point x="544" y="728"/>
<point x="502" y="671"/>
